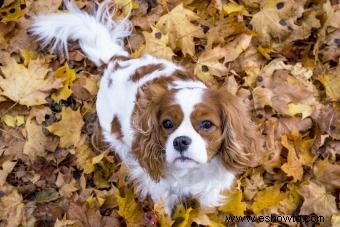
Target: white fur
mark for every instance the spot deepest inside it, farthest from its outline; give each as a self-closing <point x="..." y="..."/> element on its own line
<point x="101" y="38"/>
<point x="187" y="98"/>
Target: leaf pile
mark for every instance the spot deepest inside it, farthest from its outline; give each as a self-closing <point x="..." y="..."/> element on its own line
<point x="280" y="56"/>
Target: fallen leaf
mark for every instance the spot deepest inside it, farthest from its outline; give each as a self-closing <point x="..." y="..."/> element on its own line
<point x="27" y="86"/>
<point x="177" y="25"/>
<point x="47" y="195"/>
<point x="182" y="216"/>
<point x="212" y="61"/>
<point x="128" y="208"/>
<point x="68" y="128"/>
<point x="234" y="204"/>
<point x="67" y="76"/>
<point x="13" y="121"/>
<point x="156" y="44"/>
<point x="7" y="168"/>
<point x="293" y="167"/>
<point x="317" y="200"/>
<point x="267" y="198"/>
<point x="12" y="208"/>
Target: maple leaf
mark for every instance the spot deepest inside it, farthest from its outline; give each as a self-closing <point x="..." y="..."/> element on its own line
<point x="84" y="215"/>
<point x="66" y="75"/>
<point x="234" y="204"/>
<point x="128" y="208"/>
<point x="12" y="208"/>
<point x="209" y="63"/>
<point x="68" y="129"/>
<point x="317" y="200"/>
<point x="267" y="198"/>
<point x="276" y="19"/>
<point x="293" y="167"/>
<point x="177" y="25"/>
<point x="27" y="86"/>
<point x="156" y="44"/>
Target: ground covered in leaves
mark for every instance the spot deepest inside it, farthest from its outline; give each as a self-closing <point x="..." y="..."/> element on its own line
<point x="280" y="56"/>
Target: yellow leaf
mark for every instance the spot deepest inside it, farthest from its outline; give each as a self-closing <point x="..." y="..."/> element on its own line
<point x="156" y="44"/>
<point x="67" y="75"/>
<point x="177" y="25"/>
<point x="13" y="121"/>
<point x="126" y="6"/>
<point x="182" y="216"/>
<point x="268" y="198"/>
<point x="131" y="211"/>
<point x="233" y="7"/>
<point x="300" y="108"/>
<point x="265" y="51"/>
<point x="234" y="204"/>
<point x="64" y="222"/>
<point x="335" y="220"/>
<point x="68" y="129"/>
<point x="28" y="55"/>
<point x="293" y="167"/>
<point x="27" y="86"/>
<point x="12" y="12"/>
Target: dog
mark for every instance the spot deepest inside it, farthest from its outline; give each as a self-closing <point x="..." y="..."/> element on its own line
<point x="178" y="137"/>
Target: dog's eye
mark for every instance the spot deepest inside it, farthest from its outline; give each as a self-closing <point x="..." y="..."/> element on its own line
<point x="168" y="124"/>
<point x="206" y="124"/>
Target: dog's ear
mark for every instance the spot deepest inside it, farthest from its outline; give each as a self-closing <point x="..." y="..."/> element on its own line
<point x="240" y="137"/>
<point x="146" y="145"/>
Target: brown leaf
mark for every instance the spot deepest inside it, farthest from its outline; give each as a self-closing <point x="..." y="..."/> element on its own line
<point x="317" y="200"/>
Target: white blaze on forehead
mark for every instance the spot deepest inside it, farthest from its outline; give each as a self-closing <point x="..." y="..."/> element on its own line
<point x="187" y="98"/>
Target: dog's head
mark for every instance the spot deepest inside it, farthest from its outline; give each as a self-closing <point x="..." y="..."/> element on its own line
<point x="185" y="128"/>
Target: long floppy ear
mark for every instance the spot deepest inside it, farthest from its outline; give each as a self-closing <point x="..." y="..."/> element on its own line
<point x="146" y="145"/>
<point x="240" y="138"/>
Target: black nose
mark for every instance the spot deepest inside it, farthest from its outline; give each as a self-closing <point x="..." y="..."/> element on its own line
<point x="182" y="143"/>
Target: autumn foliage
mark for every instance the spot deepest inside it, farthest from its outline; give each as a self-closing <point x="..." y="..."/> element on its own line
<point x="280" y="56"/>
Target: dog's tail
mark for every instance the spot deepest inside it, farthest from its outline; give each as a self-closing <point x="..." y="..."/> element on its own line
<point x="99" y="36"/>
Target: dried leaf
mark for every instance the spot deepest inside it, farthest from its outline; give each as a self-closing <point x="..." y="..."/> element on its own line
<point x="27" y="86"/>
<point x="68" y="129"/>
<point x="177" y="25"/>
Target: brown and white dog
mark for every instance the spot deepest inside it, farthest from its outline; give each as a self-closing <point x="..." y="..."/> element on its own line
<point x="178" y="137"/>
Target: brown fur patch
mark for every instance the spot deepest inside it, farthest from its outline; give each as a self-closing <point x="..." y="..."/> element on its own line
<point x="145" y="70"/>
<point x="116" y="128"/>
<point x="208" y="109"/>
<point x="120" y="58"/>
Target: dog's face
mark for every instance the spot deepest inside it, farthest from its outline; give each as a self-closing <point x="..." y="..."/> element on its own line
<point x="190" y="127"/>
<point x="185" y="128"/>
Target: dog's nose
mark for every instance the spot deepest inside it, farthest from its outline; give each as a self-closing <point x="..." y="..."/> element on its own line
<point x="182" y="143"/>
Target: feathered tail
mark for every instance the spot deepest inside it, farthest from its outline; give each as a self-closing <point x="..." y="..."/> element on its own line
<point x="99" y="36"/>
